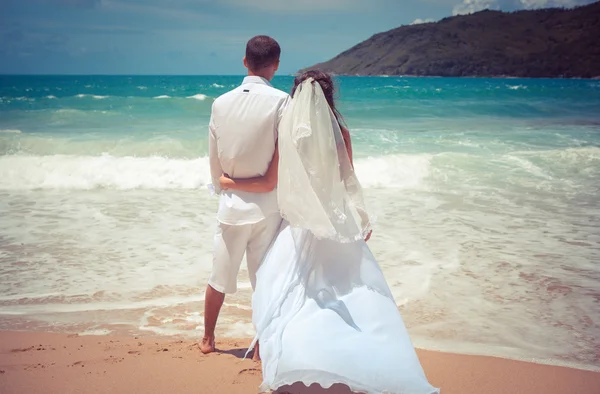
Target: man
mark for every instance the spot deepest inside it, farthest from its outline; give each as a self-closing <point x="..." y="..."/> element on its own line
<point x="242" y="139"/>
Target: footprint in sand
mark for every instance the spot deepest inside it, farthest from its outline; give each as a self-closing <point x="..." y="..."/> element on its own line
<point x="114" y="360"/>
<point x="134" y="352"/>
<point x="22" y="349"/>
<point x="249" y="371"/>
<point x="246" y="372"/>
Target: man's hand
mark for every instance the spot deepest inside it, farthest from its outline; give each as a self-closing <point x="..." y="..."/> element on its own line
<point x="368" y="237"/>
<point x="225" y="182"/>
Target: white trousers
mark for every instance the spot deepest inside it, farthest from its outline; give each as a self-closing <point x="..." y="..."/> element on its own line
<point x="231" y="242"/>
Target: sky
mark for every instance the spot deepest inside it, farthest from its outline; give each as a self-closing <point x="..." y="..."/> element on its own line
<point x="193" y="37"/>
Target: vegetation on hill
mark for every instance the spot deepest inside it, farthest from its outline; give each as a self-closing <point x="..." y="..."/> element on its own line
<point x="552" y="42"/>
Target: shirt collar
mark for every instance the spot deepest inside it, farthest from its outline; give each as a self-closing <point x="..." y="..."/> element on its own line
<point x="255" y="79"/>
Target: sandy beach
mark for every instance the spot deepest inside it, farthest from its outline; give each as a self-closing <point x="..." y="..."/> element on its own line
<point x="34" y="362"/>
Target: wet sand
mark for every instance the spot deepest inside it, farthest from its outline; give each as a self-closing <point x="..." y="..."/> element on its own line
<point x="35" y="362"/>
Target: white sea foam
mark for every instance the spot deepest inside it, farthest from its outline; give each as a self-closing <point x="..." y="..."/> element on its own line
<point x="397" y="171"/>
<point x="216" y="85"/>
<point x="97" y="332"/>
<point x="238" y="306"/>
<point x="13" y="131"/>
<point x="384" y="172"/>
<point x="90" y="172"/>
<point x="198" y="96"/>
<point x="240" y="329"/>
<point x="142" y="87"/>
<point x="529" y="167"/>
<point x="163" y="96"/>
<point x="393" y="87"/>
<point x="66" y="307"/>
<point x="51" y="97"/>
<point x="69" y="111"/>
<point x="94" y="96"/>
<point x="516" y="87"/>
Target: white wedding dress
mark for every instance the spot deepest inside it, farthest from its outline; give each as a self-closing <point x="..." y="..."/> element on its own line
<point x="322" y="309"/>
<point x="325" y="315"/>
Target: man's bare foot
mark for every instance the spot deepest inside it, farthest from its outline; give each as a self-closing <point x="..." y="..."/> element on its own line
<point x="256" y="356"/>
<point x="207" y="345"/>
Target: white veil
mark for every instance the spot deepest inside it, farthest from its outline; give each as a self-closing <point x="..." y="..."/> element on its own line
<point x="318" y="189"/>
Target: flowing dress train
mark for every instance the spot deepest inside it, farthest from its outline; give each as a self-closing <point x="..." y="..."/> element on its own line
<point x="324" y="314"/>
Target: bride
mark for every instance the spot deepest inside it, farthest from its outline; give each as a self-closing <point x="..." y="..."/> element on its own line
<point x="322" y="309"/>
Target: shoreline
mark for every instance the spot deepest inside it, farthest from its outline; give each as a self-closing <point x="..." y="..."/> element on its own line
<point x="550" y="362"/>
<point x="41" y="362"/>
<point x="425" y="344"/>
<point x="461" y="348"/>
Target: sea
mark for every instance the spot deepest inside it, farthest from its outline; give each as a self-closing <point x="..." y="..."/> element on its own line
<point x="486" y="194"/>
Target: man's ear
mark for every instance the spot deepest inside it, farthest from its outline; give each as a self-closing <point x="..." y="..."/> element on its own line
<point x="276" y="65"/>
<point x="245" y="62"/>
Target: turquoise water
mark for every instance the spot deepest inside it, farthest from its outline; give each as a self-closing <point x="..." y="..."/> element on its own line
<point x="485" y="192"/>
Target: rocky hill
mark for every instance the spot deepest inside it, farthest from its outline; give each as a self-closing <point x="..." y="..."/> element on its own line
<point x="552" y="42"/>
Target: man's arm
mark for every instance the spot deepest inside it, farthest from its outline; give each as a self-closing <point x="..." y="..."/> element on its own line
<point x="259" y="184"/>
<point x="213" y="156"/>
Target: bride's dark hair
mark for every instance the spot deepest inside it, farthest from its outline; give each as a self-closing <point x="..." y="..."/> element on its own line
<point x="327" y="86"/>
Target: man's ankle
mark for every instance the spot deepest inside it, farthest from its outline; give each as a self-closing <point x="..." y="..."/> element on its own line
<point x="207" y="345"/>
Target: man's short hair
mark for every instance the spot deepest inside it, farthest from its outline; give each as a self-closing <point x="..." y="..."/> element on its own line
<point x="261" y="52"/>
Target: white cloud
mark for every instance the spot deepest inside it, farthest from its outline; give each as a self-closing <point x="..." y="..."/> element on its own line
<point x="201" y="6"/>
<point x="418" y="21"/>
<point x="470" y="6"/>
<point x="304" y="6"/>
<point x="176" y="10"/>
<point x="57" y="3"/>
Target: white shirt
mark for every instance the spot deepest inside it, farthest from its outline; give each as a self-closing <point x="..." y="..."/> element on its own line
<point x="243" y="132"/>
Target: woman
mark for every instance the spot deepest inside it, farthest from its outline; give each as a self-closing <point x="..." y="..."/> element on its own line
<point x="322" y="308"/>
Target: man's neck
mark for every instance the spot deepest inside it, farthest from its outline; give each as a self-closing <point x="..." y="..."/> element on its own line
<point x="252" y="74"/>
